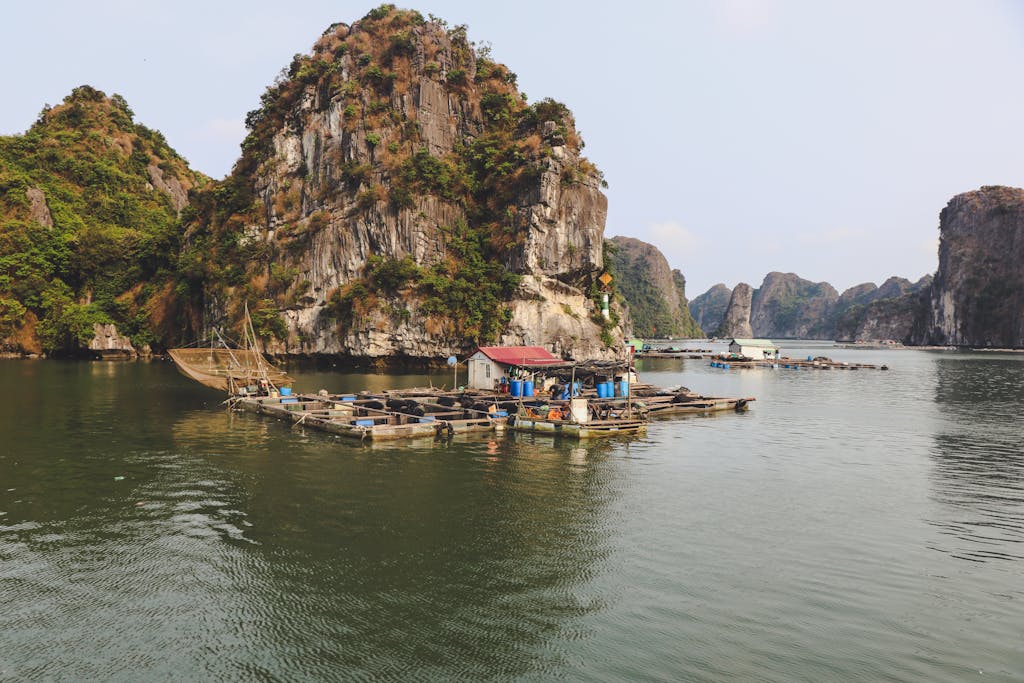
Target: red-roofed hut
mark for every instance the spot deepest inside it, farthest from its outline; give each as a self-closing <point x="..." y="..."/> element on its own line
<point x="490" y="363"/>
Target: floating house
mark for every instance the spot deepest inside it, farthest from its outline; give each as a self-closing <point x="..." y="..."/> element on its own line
<point x="757" y="349"/>
<point x="490" y="363"/>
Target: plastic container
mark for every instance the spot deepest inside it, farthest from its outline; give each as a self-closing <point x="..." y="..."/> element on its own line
<point x="364" y="423"/>
<point x="348" y="398"/>
<point x="575" y="388"/>
<point x="624" y="388"/>
<point x="286" y="391"/>
<point x="600" y="389"/>
<point x="516" y="387"/>
<point x="528" y="388"/>
<point x="289" y="400"/>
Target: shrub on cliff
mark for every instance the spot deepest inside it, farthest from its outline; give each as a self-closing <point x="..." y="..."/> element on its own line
<point x="83" y="228"/>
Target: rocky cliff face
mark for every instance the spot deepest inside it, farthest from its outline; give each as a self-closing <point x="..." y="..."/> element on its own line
<point x="736" y="321"/>
<point x="893" y="319"/>
<point x="107" y="343"/>
<point x="977" y="298"/>
<point x="858" y="295"/>
<point x="789" y="307"/>
<point x="398" y="197"/>
<point x="786" y="306"/>
<point x="708" y="309"/>
<point x="890" y="312"/>
<point x="654" y="293"/>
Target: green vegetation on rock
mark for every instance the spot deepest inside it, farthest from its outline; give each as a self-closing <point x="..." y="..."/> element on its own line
<point x="362" y="71"/>
<point x="466" y="288"/>
<point x="86" y="236"/>
<point x="654" y="294"/>
<point x="411" y="190"/>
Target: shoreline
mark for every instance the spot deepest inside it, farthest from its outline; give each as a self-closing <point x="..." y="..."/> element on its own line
<point x="329" y="361"/>
<point x="318" y="361"/>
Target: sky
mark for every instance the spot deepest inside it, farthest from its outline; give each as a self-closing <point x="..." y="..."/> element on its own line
<point x="738" y="136"/>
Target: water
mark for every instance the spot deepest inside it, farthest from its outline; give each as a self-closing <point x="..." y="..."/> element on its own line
<point x="852" y="526"/>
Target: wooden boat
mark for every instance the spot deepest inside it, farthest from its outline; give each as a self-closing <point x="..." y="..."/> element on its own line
<point x="233" y="370"/>
<point x="226" y="369"/>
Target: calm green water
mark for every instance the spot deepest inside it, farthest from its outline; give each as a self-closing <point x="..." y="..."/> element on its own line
<point x="860" y="526"/>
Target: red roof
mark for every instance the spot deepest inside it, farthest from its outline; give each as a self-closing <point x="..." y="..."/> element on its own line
<point x="519" y="355"/>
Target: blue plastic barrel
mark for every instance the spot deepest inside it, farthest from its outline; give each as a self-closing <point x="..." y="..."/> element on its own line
<point x="575" y="388"/>
<point x="364" y="423"/>
<point x="348" y="398"/>
<point x="286" y="391"/>
<point x="624" y="388"/>
<point x="516" y="387"/>
<point x="528" y="388"/>
<point x="599" y="386"/>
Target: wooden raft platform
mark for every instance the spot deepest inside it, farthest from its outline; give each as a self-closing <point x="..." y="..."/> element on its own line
<point x="366" y="418"/>
<point x="785" y="363"/>
<point x="645" y="398"/>
<point x="590" y="430"/>
<point x="434" y="413"/>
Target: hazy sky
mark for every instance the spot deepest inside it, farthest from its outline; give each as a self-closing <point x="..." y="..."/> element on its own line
<point x="739" y="136"/>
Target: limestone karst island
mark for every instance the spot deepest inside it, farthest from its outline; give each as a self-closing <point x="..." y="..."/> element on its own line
<point x="397" y="198"/>
<point x="379" y="369"/>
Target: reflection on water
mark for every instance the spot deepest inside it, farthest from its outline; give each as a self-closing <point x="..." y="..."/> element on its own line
<point x="146" y="533"/>
<point x="979" y="457"/>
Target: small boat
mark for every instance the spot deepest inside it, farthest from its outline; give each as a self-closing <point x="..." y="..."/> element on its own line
<point x="229" y="370"/>
<point x="237" y="371"/>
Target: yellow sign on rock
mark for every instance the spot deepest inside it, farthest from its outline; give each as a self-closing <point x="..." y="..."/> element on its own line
<point x="605" y="279"/>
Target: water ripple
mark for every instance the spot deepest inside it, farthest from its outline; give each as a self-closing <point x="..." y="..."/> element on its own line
<point x="851" y="526"/>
